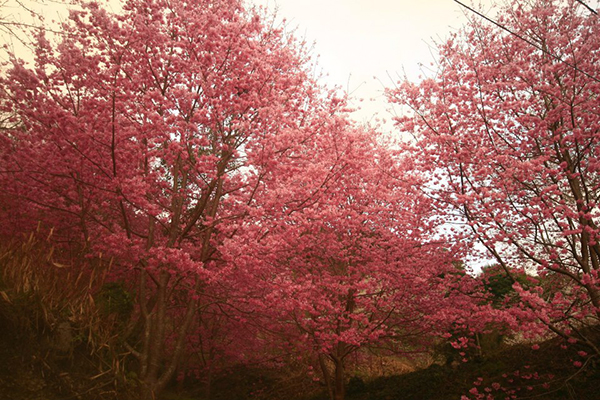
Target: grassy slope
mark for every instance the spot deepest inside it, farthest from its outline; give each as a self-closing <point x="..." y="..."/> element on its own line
<point x="557" y="378"/>
<point x="554" y="367"/>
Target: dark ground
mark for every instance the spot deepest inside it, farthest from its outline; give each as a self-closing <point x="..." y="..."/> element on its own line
<point x="31" y="370"/>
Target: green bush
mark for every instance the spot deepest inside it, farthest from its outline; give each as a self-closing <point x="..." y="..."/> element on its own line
<point x="114" y="298"/>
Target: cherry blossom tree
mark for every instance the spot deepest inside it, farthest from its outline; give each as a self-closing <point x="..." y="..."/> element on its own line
<point x="349" y="260"/>
<point x="143" y="136"/>
<point x="508" y="131"/>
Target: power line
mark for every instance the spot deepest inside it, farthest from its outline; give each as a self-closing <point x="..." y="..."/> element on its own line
<point x="586" y="6"/>
<point x="557" y="58"/>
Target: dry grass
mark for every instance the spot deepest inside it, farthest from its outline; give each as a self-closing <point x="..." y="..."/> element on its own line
<point x="52" y="295"/>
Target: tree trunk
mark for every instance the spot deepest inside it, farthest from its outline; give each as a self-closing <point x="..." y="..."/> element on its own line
<point x="148" y="390"/>
<point x="326" y="376"/>
<point x="340" y="389"/>
<point x="209" y="377"/>
<point x="335" y="384"/>
<point x="152" y="353"/>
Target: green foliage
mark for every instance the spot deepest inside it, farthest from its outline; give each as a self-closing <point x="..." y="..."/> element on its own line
<point x="114" y="298"/>
<point x="500" y="285"/>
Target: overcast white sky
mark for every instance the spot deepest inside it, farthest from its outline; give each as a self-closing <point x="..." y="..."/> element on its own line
<point x="364" y="45"/>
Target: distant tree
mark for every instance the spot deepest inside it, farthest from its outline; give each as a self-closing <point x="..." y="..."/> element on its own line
<point x="500" y="285"/>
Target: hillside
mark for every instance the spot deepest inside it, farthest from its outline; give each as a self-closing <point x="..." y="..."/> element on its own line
<point x="32" y="369"/>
